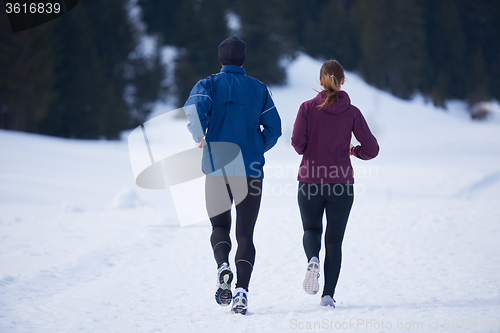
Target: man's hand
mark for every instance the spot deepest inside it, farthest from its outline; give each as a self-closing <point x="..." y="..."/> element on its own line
<point x="351" y="146"/>
<point x="200" y="144"/>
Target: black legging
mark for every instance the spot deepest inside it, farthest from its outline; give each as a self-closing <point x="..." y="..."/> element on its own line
<point x="246" y="216"/>
<point x="337" y="200"/>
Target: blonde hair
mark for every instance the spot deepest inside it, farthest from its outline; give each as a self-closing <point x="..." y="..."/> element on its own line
<point x="331" y="74"/>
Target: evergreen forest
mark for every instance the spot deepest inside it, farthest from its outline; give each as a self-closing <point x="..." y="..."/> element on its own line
<point x="85" y="75"/>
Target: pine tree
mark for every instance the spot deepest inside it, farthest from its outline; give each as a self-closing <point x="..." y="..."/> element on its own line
<point x="160" y="18"/>
<point x="145" y="75"/>
<point x="200" y="28"/>
<point x="93" y="44"/>
<point x="302" y="19"/>
<point x="392" y="44"/>
<point x="265" y="30"/>
<point x="337" y="33"/>
<point x="26" y="76"/>
<point x="445" y="70"/>
<point x="196" y="28"/>
<point x="481" y="26"/>
<point x="477" y="85"/>
<point x="68" y="77"/>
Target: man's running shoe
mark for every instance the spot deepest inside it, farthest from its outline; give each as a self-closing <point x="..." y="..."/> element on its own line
<point x="223" y="294"/>
<point x="240" y="301"/>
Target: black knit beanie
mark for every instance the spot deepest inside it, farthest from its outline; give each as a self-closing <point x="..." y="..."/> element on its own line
<point x="232" y="51"/>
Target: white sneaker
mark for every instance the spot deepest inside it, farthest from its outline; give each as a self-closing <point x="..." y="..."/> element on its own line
<point x="223" y="294"/>
<point x="310" y="284"/>
<point x="327" y="300"/>
<point x="240" y="301"/>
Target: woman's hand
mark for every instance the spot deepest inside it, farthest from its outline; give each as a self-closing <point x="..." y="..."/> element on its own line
<point x="351" y="146"/>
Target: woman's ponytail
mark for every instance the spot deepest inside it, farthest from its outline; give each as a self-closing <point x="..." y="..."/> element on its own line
<point x="331" y="75"/>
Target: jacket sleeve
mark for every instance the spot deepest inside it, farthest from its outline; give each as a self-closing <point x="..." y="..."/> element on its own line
<point x="198" y="107"/>
<point x="270" y="121"/>
<point x="369" y="147"/>
<point x="299" y="134"/>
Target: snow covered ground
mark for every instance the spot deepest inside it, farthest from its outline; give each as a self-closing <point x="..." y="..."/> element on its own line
<point x="82" y="248"/>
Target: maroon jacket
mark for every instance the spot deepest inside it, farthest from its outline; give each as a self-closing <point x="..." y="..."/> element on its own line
<point x="323" y="136"/>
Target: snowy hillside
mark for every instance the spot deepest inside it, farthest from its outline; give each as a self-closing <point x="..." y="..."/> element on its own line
<point x="82" y="248"/>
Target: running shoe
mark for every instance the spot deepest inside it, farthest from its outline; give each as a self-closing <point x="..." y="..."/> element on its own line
<point x="240" y="301"/>
<point x="223" y="293"/>
<point x="310" y="284"/>
<point x="327" y="300"/>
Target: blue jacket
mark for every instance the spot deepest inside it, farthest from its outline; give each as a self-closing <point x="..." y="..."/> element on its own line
<point x="236" y="108"/>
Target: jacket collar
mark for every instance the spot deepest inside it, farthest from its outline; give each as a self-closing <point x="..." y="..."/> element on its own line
<point x="232" y="69"/>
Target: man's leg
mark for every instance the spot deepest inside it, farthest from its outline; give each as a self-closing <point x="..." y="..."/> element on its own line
<point x="217" y="193"/>
<point x="246" y="217"/>
<point x="218" y="198"/>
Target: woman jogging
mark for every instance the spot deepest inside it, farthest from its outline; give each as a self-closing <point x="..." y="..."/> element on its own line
<point x="322" y="135"/>
<point x="234" y="114"/>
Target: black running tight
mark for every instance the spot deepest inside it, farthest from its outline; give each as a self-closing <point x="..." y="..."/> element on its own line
<point x="246" y="216"/>
<point x="336" y="200"/>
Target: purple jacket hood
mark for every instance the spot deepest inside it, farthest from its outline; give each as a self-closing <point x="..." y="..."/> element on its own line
<point x="323" y="135"/>
<point x="341" y="105"/>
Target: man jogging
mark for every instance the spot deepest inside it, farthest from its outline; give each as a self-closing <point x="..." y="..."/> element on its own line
<point x="237" y="117"/>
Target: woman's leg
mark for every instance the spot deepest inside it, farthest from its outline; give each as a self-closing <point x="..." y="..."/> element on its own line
<point x="246" y="216"/>
<point x="311" y="206"/>
<point x="338" y="207"/>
